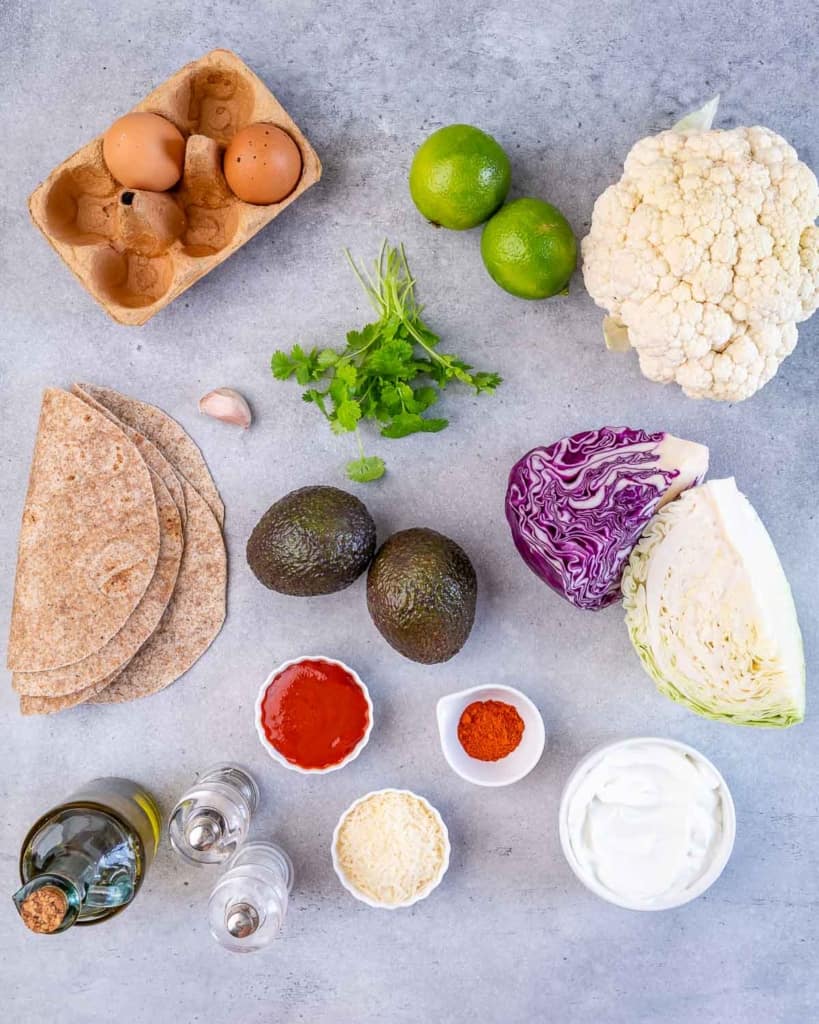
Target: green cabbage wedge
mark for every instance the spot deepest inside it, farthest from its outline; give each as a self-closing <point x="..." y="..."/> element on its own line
<point x="711" y="614"/>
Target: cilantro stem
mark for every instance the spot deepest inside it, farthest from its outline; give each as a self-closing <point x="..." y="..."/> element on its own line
<point x="372" y="289"/>
<point x="387" y="299"/>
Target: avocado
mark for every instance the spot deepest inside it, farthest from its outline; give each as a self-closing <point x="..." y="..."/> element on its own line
<point x="315" y="540"/>
<point x="421" y="593"/>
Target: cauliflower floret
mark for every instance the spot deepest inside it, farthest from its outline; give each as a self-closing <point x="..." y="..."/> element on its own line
<point x="707" y="252"/>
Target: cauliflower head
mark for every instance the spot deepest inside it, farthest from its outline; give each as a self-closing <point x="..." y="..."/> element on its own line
<point x="706" y="256"/>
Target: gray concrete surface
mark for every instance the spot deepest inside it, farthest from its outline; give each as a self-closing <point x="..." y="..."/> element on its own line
<point x="510" y="936"/>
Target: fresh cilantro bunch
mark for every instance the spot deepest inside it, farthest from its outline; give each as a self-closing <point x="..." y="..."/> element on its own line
<point x="390" y="372"/>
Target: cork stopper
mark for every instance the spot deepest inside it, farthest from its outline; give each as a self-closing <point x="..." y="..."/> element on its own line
<point x="43" y="911"/>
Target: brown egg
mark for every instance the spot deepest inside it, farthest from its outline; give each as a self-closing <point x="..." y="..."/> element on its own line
<point x="262" y="164"/>
<point x="144" y="151"/>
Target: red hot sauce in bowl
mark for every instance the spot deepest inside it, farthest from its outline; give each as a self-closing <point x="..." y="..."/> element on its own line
<point x="314" y="713"/>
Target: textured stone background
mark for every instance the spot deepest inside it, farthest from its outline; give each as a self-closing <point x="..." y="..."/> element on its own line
<point x="510" y="936"/>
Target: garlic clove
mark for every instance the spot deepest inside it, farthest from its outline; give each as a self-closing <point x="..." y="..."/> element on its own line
<point x="228" y="405"/>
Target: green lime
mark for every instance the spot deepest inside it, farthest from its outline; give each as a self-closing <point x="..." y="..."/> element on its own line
<point x="529" y="249"/>
<point x="459" y="177"/>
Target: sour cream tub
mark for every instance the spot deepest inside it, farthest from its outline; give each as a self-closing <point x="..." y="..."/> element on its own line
<point x="647" y="823"/>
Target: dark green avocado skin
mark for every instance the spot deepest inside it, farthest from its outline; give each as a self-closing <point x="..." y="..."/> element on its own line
<point x="421" y="593"/>
<point x="315" y="540"/>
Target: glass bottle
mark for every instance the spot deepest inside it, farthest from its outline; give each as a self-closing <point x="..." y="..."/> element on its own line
<point x="249" y="902"/>
<point x="85" y="860"/>
<point x="211" y="820"/>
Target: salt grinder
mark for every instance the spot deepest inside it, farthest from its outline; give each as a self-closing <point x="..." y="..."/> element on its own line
<point x="211" y="821"/>
<point x="249" y="902"/>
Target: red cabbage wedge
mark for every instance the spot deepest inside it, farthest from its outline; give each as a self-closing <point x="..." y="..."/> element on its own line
<point x="577" y="507"/>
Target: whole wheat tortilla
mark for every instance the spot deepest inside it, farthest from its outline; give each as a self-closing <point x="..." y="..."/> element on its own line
<point x="171" y="440"/>
<point x="89" y="539"/>
<point x="50" y="705"/>
<point x="197" y="608"/>
<point x="154" y="459"/>
<point x="119" y="650"/>
<point x="193" y="617"/>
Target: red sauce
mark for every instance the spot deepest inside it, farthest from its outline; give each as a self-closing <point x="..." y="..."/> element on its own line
<point x="314" y="713"/>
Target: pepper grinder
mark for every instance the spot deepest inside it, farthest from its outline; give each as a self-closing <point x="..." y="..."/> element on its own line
<point x="249" y="902"/>
<point x="211" y="820"/>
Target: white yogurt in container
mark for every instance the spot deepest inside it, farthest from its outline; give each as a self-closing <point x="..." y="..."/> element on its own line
<point x="647" y="824"/>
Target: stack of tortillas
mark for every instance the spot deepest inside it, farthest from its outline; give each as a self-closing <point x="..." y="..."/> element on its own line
<point x="121" y="569"/>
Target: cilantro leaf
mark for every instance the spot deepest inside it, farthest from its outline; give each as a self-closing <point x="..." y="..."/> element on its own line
<point x="317" y="397"/>
<point x="346" y="373"/>
<point x="390" y="398"/>
<point x="339" y="390"/>
<point x="485" y="383"/>
<point x="406" y="423"/>
<point x="348" y="414"/>
<point x="390" y="327"/>
<point x="423" y="398"/>
<point x="326" y="358"/>
<point x="365" y="469"/>
<point x="392" y="359"/>
<point x="360" y="340"/>
<point x="282" y="365"/>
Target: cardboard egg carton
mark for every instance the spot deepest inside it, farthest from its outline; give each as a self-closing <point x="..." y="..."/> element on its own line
<point x="135" y="251"/>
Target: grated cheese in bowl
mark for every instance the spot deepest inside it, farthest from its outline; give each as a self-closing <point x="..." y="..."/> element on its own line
<point x="390" y="848"/>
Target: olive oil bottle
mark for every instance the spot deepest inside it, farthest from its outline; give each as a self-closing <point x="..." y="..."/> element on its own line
<point x="85" y="860"/>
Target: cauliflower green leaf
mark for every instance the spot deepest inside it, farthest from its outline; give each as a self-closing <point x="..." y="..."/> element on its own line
<point x="699" y="120"/>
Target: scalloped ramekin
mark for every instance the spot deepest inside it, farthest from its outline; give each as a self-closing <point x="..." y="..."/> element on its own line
<point x="423" y="893"/>
<point x="271" y="750"/>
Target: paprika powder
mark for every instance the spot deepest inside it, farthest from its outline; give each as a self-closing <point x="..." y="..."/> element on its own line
<point x="490" y="730"/>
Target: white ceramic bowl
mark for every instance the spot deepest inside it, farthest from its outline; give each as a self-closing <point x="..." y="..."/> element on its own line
<point x="509" y="769"/>
<point x="705" y="881"/>
<point x="268" y="746"/>
<point x="423" y="893"/>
